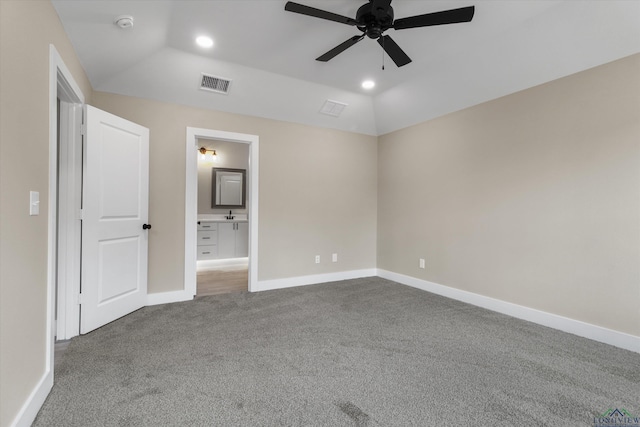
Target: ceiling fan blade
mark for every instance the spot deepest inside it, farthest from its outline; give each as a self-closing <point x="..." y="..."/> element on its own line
<point x="453" y="16"/>
<point x="317" y="13"/>
<point x="340" y="48"/>
<point x="393" y="50"/>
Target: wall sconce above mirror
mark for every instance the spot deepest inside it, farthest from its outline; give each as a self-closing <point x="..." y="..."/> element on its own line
<point x="229" y="188"/>
<point x="208" y="155"/>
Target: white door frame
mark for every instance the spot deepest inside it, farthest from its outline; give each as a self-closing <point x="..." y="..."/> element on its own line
<point x="69" y="221"/>
<point x="64" y="250"/>
<point x="191" y="202"/>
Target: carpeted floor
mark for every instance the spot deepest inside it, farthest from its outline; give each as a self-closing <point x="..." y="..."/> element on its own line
<point x="365" y="352"/>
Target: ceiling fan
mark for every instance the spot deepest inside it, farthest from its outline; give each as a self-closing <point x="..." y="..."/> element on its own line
<point x="376" y="17"/>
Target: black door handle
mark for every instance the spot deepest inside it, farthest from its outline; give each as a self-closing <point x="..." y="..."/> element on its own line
<point x="146" y="226"/>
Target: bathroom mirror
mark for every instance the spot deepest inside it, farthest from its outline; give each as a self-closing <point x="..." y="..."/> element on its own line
<point x="229" y="188"/>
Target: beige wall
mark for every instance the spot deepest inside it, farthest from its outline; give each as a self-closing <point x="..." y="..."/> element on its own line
<point x="317" y="191"/>
<point x="232" y="155"/>
<point x="533" y="198"/>
<point x="26" y="30"/>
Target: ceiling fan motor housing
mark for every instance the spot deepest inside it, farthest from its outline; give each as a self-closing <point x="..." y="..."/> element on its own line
<point x="374" y="23"/>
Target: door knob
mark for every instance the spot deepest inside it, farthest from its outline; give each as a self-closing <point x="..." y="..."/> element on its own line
<point x="146" y="226"/>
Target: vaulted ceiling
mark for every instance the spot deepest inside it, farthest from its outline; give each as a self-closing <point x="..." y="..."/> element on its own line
<point x="269" y="54"/>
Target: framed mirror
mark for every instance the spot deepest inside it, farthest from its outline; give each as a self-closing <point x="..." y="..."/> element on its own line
<point x="229" y="188"/>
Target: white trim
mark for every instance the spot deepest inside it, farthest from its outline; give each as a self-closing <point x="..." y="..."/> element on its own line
<point x="69" y="224"/>
<point x="63" y="85"/>
<point x="58" y="74"/>
<point x="215" y="264"/>
<point x="290" y="282"/>
<point x="168" y="297"/>
<point x="57" y="65"/>
<point x="565" y="324"/>
<point x="191" y="202"/>
<point x="32" y="405"/>
<point x="190" y="214"/>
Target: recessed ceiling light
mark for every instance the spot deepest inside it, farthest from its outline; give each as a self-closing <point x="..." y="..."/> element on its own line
<point x="368" y="84"/>
<point x="204" y="41"/>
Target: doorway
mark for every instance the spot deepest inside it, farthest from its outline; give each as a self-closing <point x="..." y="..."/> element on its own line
<point x="222" y="236"/>
<point x="195" y="138"/>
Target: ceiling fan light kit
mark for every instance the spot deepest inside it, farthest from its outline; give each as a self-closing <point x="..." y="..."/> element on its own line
<point x="376" y="17"/>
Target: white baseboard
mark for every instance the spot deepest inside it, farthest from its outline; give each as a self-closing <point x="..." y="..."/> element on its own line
<point x="213" y="264"/>
<point x="565" y="324"/>
<point x="290" y="282"/>
<point x="34" y="402"/>
<point x="167" y="297"/>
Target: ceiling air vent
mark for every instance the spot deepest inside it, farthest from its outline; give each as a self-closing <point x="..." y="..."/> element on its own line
<point x="214" y="84"/>
<point x="333" y="108"/>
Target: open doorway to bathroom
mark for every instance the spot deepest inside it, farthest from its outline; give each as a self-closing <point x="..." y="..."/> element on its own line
<point x="222" y="209"/>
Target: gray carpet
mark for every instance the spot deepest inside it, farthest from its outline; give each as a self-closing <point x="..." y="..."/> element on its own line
<point x="366" y="352"/>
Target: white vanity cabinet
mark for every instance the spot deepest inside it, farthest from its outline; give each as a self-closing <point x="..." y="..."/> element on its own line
<point x="222" y="239"/>
<point x="233" y="239"/>
<point x="207" y="240"/>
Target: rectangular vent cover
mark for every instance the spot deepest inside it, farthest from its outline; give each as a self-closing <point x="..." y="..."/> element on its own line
<point x="214" y="83"/>
<point x="333" y="108"/>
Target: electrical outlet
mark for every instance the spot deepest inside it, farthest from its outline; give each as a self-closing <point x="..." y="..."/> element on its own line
<point x="317" y="259"/>
<point x="422" y="263"/>
<point x="334" y="258"/>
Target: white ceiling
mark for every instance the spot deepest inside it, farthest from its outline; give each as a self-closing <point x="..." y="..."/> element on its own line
<point x="270" y="54"/>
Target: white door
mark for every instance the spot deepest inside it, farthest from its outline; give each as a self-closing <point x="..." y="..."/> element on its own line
<point x="114" y="209"/>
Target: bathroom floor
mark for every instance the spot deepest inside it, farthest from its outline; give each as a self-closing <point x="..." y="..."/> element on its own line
<point x="222" y="281"/>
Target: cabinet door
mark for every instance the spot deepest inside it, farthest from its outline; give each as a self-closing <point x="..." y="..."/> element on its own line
<point x="226" y="240"/>
<point x="242" y="239"/>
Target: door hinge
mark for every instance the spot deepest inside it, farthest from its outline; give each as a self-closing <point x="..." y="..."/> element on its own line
<point x="83" y="129"/>
<point x="80" y="214"/>
<point x="79" y="298"/>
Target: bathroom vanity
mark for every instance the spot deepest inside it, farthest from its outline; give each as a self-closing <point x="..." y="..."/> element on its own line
<point x="221" y="238"/>
<point x="225" y="236"/>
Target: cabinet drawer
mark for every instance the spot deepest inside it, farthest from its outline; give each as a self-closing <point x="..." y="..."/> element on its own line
<point x="207" y="237"/>
<point x="207" y="226"/>
<point x="207" y="252"/>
